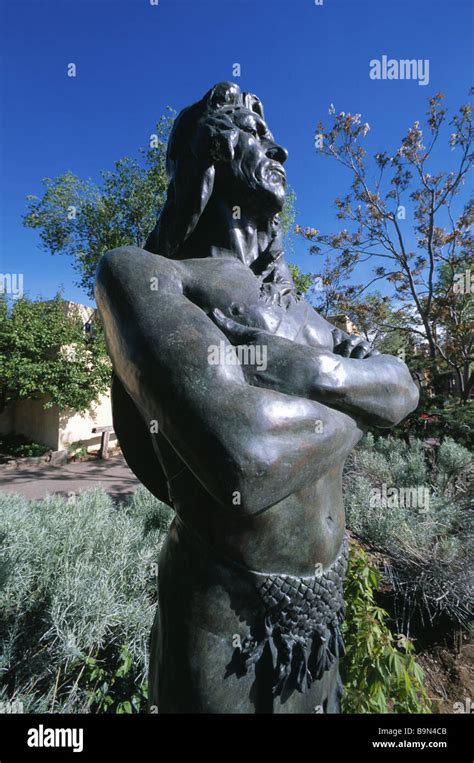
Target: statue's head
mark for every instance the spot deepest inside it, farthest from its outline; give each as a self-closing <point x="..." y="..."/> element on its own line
<point x="220" y="145"/>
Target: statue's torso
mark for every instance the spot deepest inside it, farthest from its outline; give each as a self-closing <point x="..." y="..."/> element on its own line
<point x="304" y="529"/>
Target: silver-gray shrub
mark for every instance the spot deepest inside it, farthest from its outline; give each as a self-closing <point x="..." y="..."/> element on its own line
<point x="429" y="553"/>
<point x="75" y="576"/>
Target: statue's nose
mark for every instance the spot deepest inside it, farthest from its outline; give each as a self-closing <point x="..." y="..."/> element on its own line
<point x="276" y="152"/>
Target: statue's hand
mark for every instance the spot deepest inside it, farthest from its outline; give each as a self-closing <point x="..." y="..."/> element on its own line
<point x="270" y="361"/>
<point x="352" y="346"/>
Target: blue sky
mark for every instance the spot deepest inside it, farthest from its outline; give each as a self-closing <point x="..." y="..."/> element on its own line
<point x="133" y="59"/>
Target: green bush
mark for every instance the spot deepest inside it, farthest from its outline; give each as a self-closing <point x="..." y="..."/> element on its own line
<point x="20" y="447"/>
<point x="379" y="672"/>
<point x="110" y="682"/>
<point x="78" y="449"/>
<point x="440" y="419"/>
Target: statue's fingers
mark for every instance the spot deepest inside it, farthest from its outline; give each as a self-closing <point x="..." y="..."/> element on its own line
<point x="361" y="350"/>
<point x="235" y="332"/>
<point x="345" y="347"/>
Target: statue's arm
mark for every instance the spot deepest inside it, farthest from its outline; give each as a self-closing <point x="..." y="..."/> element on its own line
<point x="377" y="389"/>
<point x="238" y="440"/>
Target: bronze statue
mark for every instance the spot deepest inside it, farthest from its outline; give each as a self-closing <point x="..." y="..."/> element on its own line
<point x="237" y="404"/>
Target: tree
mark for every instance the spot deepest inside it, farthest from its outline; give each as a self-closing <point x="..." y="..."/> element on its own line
<point x="46" y="354"/>
<point x="287" y="218"/>
<point x="83" y="220"/>
<point x="424" y="274"/>
<point x="303" y="281"/>
<point x="453" y="316"/>
<point x="374" y="315"/>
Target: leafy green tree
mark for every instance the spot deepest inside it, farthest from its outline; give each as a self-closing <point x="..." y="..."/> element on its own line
<point x="303" y="281"/>
<point x="453" y="316"/>
<point x="287" y="218"/>
<point x="45" y="353"/>
<point x="83" y="220"/>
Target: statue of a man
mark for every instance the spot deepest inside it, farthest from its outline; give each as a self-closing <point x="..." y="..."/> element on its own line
<point x="237" y="404"/>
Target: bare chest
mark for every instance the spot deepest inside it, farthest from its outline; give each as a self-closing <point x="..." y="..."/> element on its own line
<point x="234" y="289"/>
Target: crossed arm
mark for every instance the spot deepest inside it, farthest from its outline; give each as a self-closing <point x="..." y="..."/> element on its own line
<point x="236" y="437"/>
<point x="377" y="389"/>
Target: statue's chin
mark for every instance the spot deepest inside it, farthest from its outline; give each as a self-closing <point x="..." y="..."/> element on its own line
<point x="266" y="198"/>
<point x="273" y="199"/>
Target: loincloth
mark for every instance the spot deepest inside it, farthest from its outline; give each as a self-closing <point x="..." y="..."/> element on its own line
<point x="300" y="625"/>
<point x="296" y="619"/>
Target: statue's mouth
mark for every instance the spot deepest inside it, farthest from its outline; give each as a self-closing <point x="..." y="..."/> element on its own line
<point x="275" y="173"/>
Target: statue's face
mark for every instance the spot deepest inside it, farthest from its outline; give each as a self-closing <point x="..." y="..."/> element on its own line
<point x="254" y="179"/>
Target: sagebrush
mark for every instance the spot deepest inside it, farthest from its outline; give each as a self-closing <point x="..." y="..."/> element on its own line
<point x="429" y="549"/>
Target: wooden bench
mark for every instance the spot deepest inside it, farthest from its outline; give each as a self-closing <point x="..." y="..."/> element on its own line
<point x="104" y="442"/>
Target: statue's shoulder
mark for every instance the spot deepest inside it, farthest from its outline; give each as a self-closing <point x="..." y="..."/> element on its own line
<point x="216" y="269"/>
<point x="218" y="281"/>
<point x="129" y="264"/>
